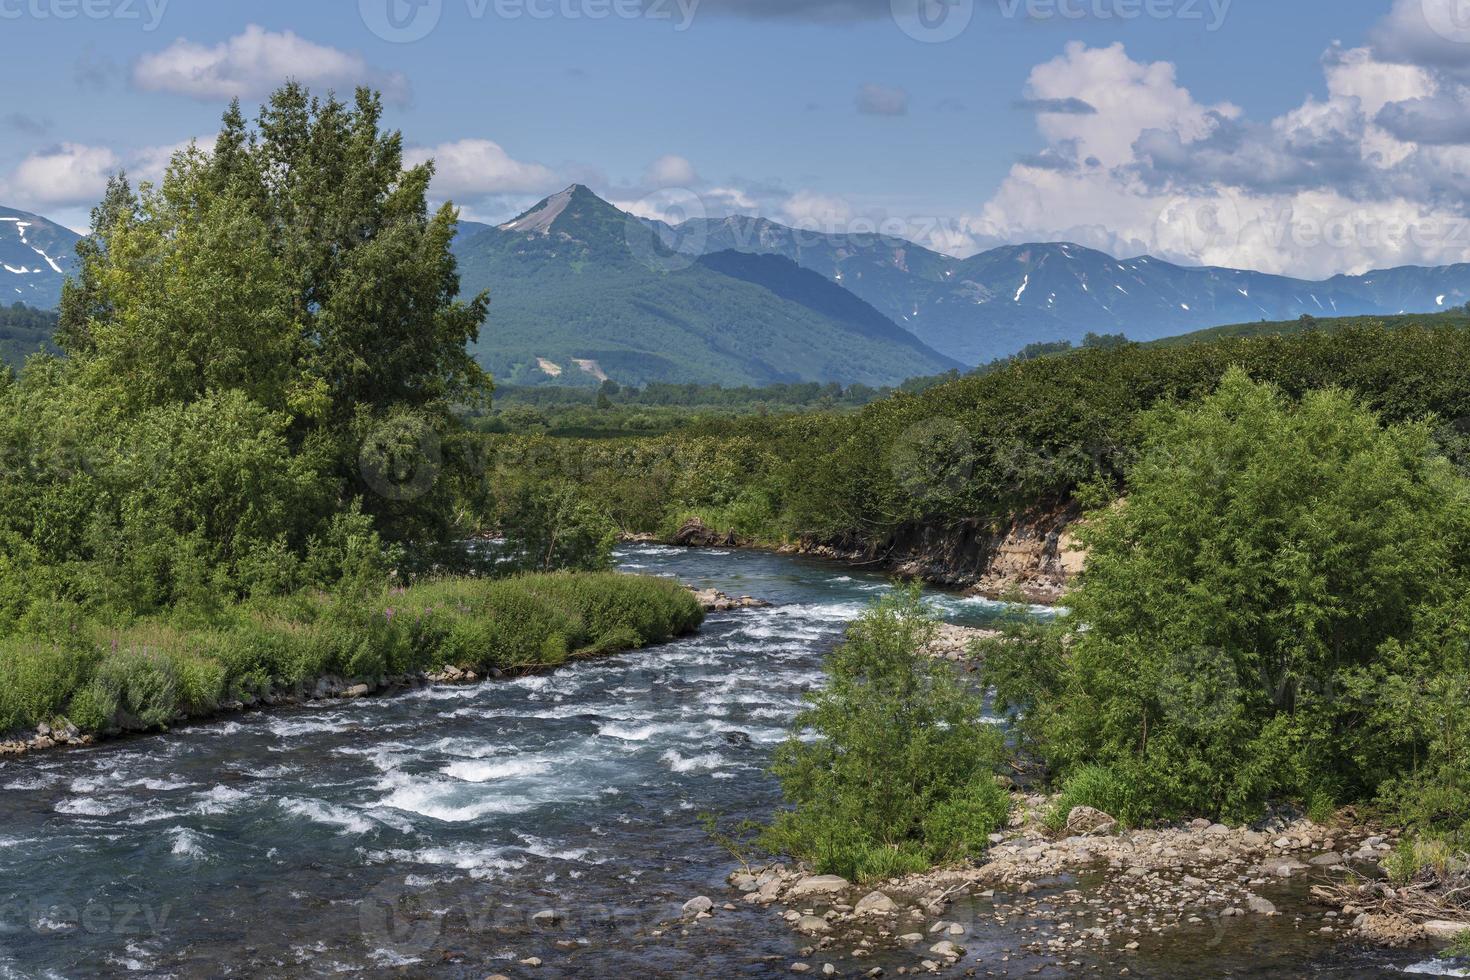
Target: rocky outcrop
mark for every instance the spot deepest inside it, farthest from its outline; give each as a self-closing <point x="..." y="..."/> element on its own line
<point x="694" y="534"/>
<point x="715" y="601"/>
<point x="1035" y="555"/>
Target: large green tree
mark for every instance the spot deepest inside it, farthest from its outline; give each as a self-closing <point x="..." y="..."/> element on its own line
<point x="297" y="262"/>
<point x="265" y="355"/>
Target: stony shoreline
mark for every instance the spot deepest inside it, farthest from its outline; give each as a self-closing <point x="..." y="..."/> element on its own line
<point x="1126" y="889"/>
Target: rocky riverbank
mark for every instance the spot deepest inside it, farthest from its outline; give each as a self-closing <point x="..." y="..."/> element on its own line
<point x="1086" y="891"/>
<point x="1035" y="556"/>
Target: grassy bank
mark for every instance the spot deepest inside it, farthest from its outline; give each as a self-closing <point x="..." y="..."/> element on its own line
<point x="157" y="671"/>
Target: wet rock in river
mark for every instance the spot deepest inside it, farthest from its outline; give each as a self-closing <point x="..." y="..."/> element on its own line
<point x="819" y="885"/>
<point x="875" y="903"/>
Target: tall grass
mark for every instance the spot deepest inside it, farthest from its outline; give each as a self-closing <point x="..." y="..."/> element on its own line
<point x="147" y="674"/>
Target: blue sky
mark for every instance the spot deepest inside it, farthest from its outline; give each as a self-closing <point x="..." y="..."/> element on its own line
<point x="1214" y="125"/>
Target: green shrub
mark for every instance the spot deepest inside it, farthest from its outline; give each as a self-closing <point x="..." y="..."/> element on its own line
<point x="37" y="679"/>
<point x="144" y="685"/>
<point x="1100" y="788"/>
<point x="900" y="772"/>
<point x="959" y="828"/>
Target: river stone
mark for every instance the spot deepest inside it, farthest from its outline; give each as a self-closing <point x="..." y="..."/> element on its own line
<point x="1260" y="906"/>
<point x="745" y="882"/>
<point x="695" y="906"/>
<point x="947" y="949"/>
<point x="1286" y="868"/>
<point x="875" y="903"/>
<point x="1084" y="820"/>
<point x="819" y="885"/>
<point x="812" y="923"/>
<point x="357" y="691"/>
<point x="546" y="917"/>
<point x="1445" y="929"/>
<point x="1328" y="860"/>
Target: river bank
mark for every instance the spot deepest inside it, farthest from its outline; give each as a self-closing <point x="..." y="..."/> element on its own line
<point x="1032" y="557"/>
<point x="153" y="677"/>
<point x="424" y="834"/>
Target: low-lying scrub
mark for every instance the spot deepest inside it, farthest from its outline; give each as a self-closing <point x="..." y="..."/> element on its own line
<point x="154" y="672"/>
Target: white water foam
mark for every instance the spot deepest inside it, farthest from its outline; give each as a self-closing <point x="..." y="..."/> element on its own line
<point x="91" y="806"/>
<point x="328" y="814"/>
<point x="220" y="799"/>
<point x="187" y="844"/>
<point x="447" y="801"/>
<point x="708" y="762"/>
<point x="1438" y="968"/>
<point x="485" y="772"/>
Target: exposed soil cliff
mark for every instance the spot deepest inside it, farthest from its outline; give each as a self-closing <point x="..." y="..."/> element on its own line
<point x="1035" y="554"/>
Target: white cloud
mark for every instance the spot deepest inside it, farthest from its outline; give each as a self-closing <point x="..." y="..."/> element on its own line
<point x="71" y="173"/>
<point x="150" y="162"/>
<point x="876" y="100"/>
<point x="1128" y="98"/>
<point x="670" y="171"/>
<point x="252" y="63"/>
<point x="820" y="212"/>
<point x="477" y="168"/>
<point x="1372" y="175"/>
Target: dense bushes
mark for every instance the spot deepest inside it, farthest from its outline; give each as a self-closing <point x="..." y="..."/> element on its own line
<point x="901" y="773"/>
<point x="155" y="671"/>
<point x="979" y="449"/>
<point x="1276" y="610"/>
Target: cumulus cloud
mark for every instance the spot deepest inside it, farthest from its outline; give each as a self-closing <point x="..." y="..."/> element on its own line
<point x="1376" y="173"/>
<point x="670" y="171"/>
<point x="252" y="63"/>
<point x="471" y="168"/>
<point x="822" y="212"/>
<point x="69" y="174"/>
<point x="876" y="100"/>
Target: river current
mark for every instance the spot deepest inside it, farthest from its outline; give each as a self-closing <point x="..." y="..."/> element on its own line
<point x="421" y="835"/>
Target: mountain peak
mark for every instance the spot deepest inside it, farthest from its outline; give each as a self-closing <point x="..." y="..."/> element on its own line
<point x="575" y="202"/>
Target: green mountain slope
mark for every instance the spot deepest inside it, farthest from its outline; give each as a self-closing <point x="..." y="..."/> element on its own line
<point x="580" y="290"/>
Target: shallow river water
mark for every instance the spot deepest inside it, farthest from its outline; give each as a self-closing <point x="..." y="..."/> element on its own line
<point x="419" y="835"/>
